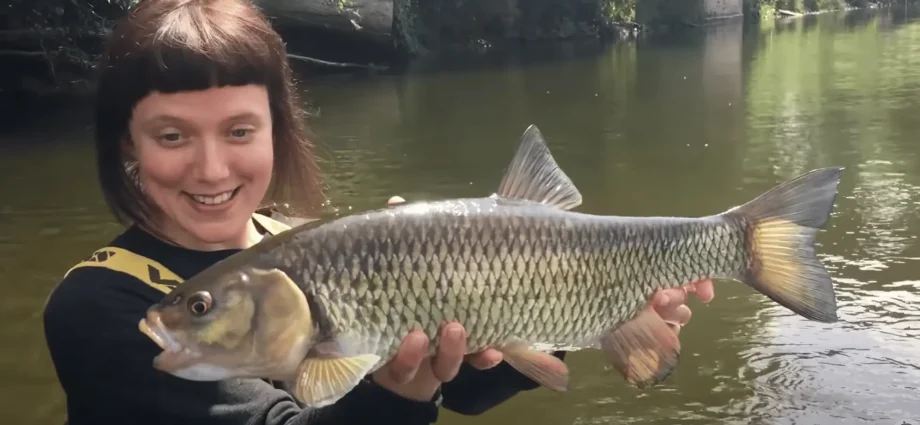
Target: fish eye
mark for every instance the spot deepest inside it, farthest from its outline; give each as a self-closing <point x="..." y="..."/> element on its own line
<point x="199" y="303"/>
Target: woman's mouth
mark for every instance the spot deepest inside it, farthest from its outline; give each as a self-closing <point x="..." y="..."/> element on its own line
<point x="215" y="199"/>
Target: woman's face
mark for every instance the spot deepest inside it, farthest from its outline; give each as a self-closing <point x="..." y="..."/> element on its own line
<point x="205" y="159"/>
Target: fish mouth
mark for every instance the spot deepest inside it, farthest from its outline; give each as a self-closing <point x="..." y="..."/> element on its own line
<point x="174" y="356"/>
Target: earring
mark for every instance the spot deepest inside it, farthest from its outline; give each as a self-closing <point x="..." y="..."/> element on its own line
<point x="132" y="170"/>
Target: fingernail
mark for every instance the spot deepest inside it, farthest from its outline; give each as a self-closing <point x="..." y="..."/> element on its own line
<point x="419" y="343"/>
<point x="455" y="333"/>
<point x="396" y="200"/>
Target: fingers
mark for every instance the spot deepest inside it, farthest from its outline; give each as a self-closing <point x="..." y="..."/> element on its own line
<point x="451" y="349"/>
<point x="670" y="304"/>
<point x="673" y="297"/>
<point x="485" y="359"/>
<point x="674" y="327"/>
<point x="444" y="366"/>
<point x="679" y="315"/>
<point x="396" y="200"/>
<point x="703" y="290"/>
<point x="667" y="299"/>
<point x="405" y="364"/>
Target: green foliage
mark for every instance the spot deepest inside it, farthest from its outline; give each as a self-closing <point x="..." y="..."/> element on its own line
<point x="619" y="10"/>
<point x="63" y="33"/>
<point x="761" y="9"/>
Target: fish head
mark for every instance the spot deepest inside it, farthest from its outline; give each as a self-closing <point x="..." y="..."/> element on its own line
<point x="245" y="322"/>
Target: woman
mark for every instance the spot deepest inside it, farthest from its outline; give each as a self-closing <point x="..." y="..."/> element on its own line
<point x="198" y="125"/>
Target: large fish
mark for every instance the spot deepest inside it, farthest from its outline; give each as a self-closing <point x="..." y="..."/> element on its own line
<point x="328" y="302"/>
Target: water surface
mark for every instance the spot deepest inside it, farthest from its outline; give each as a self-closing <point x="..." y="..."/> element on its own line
<point x="686" y="127"/>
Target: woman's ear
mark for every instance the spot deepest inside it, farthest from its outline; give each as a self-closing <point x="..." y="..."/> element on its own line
<point x="127" y="149"/>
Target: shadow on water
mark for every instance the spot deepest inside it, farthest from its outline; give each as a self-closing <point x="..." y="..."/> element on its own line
<point x="658" y="127"/>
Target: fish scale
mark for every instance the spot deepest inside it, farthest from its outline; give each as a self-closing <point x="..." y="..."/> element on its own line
<point x="579" y="274"/>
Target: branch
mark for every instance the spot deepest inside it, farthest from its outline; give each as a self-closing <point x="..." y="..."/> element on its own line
<point x="16" y="33"/>
<point x="787" y="12"/>
<point x="22" y="53"/>
<point x="335" y="64"/>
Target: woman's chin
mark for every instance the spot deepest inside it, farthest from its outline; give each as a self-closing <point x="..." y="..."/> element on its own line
<point x="226" y="232"/>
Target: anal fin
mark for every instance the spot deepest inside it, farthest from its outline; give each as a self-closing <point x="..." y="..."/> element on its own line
<point x="543" y="368"/>
<point x="645" y="349"/>
<point x="322" y="381"/>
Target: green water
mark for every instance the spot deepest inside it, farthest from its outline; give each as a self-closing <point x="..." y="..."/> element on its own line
<point x="659" y="128"/>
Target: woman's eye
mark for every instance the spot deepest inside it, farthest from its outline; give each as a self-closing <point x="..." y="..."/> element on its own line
<point x="170" y="138"/>
<point x="240" y="132"/>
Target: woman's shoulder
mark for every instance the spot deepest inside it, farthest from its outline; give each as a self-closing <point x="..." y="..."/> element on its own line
<point x="110" y="282"/>
<point x="127" y="262"/>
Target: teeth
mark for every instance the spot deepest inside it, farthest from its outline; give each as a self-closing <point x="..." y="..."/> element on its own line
<point x="214" y="200"/>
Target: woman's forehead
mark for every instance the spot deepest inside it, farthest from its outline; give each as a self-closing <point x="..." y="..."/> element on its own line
<point x="229" y="103"/>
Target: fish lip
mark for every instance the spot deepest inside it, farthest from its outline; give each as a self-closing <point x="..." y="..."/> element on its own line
<point x="174" y="356"/>
<point x="153" y="327"/>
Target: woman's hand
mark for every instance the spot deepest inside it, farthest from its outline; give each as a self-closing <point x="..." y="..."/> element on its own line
<point x="415" y="375"/>
<point x="671" y="305"/>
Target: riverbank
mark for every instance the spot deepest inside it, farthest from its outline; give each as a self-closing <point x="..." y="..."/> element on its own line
<point x="48" y="49"/>
<point x="768" y="9"/>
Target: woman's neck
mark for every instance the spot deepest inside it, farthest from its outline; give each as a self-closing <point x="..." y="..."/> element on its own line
<point x="174" y="235"/>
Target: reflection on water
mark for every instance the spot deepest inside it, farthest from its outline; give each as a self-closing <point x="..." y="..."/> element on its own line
<point x="686" y="127"/>
<point x="836" y="100"/>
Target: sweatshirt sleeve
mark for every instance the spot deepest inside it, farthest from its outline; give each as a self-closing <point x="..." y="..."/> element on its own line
<point x="104" y="364"/>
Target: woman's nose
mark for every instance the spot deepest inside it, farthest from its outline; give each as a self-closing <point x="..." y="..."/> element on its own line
<point x="212" y="163"/>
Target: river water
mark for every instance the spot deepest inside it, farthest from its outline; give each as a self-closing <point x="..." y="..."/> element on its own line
<point x="661" y="127"/>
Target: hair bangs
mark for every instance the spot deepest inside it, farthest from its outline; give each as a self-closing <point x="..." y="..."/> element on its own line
<point x="178" y="61"/>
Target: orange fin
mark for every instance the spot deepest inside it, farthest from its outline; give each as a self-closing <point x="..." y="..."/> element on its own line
<point x="543" y="368"/>
<point x="645" y="350"/>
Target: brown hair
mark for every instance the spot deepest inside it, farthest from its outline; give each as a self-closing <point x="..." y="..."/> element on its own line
<point x="177" y="45"/>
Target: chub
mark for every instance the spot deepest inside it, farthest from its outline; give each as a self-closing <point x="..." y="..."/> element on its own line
<point x="328" y="302"/>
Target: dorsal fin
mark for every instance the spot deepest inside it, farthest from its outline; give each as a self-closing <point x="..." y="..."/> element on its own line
<point x="534" y="175"/>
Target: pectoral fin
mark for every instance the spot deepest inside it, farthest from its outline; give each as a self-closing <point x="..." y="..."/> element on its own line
<point x="645" y="350"/>
<point x="323" y="381"/>
<point x="544" y="368"/>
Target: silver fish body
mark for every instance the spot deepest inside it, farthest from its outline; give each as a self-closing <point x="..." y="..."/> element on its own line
<point x="328" y="302"/>
<point x="506" y="269"/>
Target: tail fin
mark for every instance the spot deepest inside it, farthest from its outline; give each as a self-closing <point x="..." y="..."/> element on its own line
<point x="782" y="225"/>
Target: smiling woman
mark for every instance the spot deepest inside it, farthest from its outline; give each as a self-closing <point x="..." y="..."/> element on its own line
<point x="197" y="127"/>
<point x="205" y="159"/>
<point x="200" y="82"/>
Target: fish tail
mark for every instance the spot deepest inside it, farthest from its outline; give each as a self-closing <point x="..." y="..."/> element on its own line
<point x="781" y="226"/>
